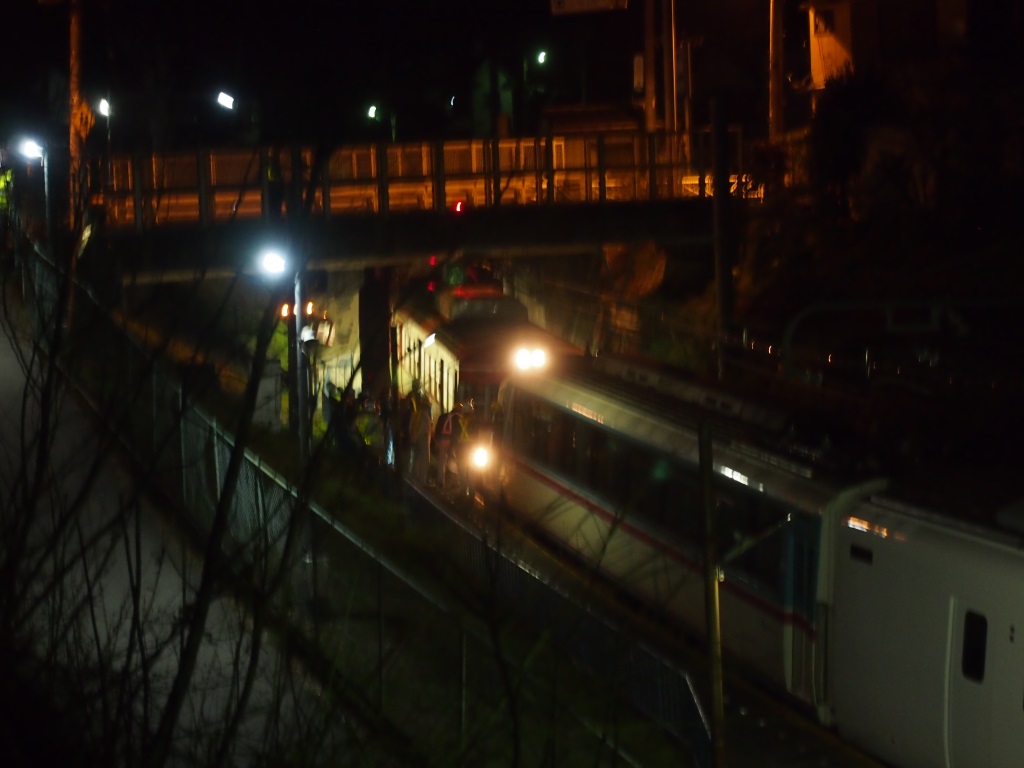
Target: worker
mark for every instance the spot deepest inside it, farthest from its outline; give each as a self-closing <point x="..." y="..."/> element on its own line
<point x="416" y="427"/>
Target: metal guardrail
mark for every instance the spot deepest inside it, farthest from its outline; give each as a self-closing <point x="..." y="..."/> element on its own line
<point x="219" y="185"/>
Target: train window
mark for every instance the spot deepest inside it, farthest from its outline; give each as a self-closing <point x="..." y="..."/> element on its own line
<point x="614" y="477"/>
<point x="972" y="661"/>
<point x="684" y="514"/>
<point x="523" y="426"/>
<point x="596" y="461"/>
<point x="582" y="443"/>
<point x="863" y="554"/>
<point x="750" y="534"/>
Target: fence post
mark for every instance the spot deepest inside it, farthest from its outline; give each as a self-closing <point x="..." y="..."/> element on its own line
<point x="382" y="177"/>
<point x="495" y="171"/>
<point x="325" y="187"/>
<point x="549" y="166"/>
<point x="652" y="170"/>
<point x="137" y="182"/>
<point x="203" y="175"/>
<point x="463" y="674"/>
<point x="440" y="194"/>
<point x="380" y="636"/>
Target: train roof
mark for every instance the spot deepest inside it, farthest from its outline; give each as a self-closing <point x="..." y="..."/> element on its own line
<point x="746" y="451"/>
<point x="969" y="478"/>
<point x="480" y="338"/>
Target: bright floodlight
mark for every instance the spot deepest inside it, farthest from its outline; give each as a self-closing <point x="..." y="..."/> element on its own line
<point x="226" y="101"/>
<point x="530" y="359"/>
<point x="104" y="107"/>
<point x="542" y="56"/>
<point x="372" y="112"/>
<point x="31" y="149"/>
<point x="481" y="457"/>
<point x="273" y="263"/>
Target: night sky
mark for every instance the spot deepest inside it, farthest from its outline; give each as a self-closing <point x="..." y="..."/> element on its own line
<point x="309" y="68"/>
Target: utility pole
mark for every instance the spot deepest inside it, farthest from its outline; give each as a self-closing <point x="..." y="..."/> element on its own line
<point x="650" y="115"/>
<point x="670" y="71"/>
<point x="688" y="101"/>
<point x="75" y="133"/>
<point x="775" y="67"/>
<point x="722" y="230"/>
<point x="711" y="602"/>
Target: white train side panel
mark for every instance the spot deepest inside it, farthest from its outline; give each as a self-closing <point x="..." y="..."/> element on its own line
<point x="926" y="650"/>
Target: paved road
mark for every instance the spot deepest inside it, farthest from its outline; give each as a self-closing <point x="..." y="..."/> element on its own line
<point x="87" y="486"/>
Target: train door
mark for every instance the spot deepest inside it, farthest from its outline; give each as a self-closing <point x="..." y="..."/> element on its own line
<point x="1008" y="694"/>
<point x="985" y="704"/>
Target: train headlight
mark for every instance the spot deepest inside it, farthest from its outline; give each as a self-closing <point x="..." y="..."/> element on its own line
<point x="481" y="457"/>
<point x="530" y="359"/>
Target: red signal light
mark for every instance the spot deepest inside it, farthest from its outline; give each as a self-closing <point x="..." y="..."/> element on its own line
<point x="457" y="207"/>
<point x="433" y="261"/>
<point x="431" y="286"/>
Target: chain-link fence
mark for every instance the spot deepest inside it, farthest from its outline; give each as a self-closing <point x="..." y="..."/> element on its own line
<point x="477" y="659"/>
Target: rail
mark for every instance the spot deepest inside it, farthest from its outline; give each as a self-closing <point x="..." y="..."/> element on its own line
<point x="203" y="186"/>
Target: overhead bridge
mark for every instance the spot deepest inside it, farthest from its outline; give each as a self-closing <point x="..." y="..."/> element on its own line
<point x="380" y="202"/>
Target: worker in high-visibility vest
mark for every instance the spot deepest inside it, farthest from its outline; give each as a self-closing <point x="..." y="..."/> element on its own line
<point x="6" y="204"/>
<point x="416" y="426"/>
<point x="6" y="188"/>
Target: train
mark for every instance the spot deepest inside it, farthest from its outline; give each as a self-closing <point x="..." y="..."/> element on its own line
<point x="461" y="343"/>
<point x="892" y="621"/>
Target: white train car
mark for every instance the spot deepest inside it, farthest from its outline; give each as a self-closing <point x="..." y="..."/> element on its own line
<point x="925" y="662"/>
<point x="898" y="627"/>
<point x="465" y="348"/>
<point x="612" y="474"/>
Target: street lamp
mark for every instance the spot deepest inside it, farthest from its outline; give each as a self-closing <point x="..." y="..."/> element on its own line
<point x="226" y="100"/>
<point x="274" y="263"/>
<point x="377" y="114"/>
<point x="31" y="149"/>
<point x="105" y="111"/>
<point x="534" y="83"/>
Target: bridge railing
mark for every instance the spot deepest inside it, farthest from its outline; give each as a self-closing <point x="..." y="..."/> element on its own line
<point x="143" y="191"/>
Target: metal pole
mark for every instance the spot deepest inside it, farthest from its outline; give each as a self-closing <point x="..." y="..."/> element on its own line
<point x="48" y="203"/>
<point x="75" y="135"/>
<point x="668" y="49"/>
<point x="302" y="374"/>
<point x="293" y="369"/>
<point x="775" y="65"/>
<point x="721" y="225"/>
<point x="688" y="103"/>
<point x="711" y="603"/>
<point x="650" y="116"/>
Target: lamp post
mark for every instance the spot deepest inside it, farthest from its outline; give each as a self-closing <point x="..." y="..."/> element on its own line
<point x="376" y="114"/>
<point x="109" y="164"/>
<point x="33" y="150"/>
<point x="274" y="264"/>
